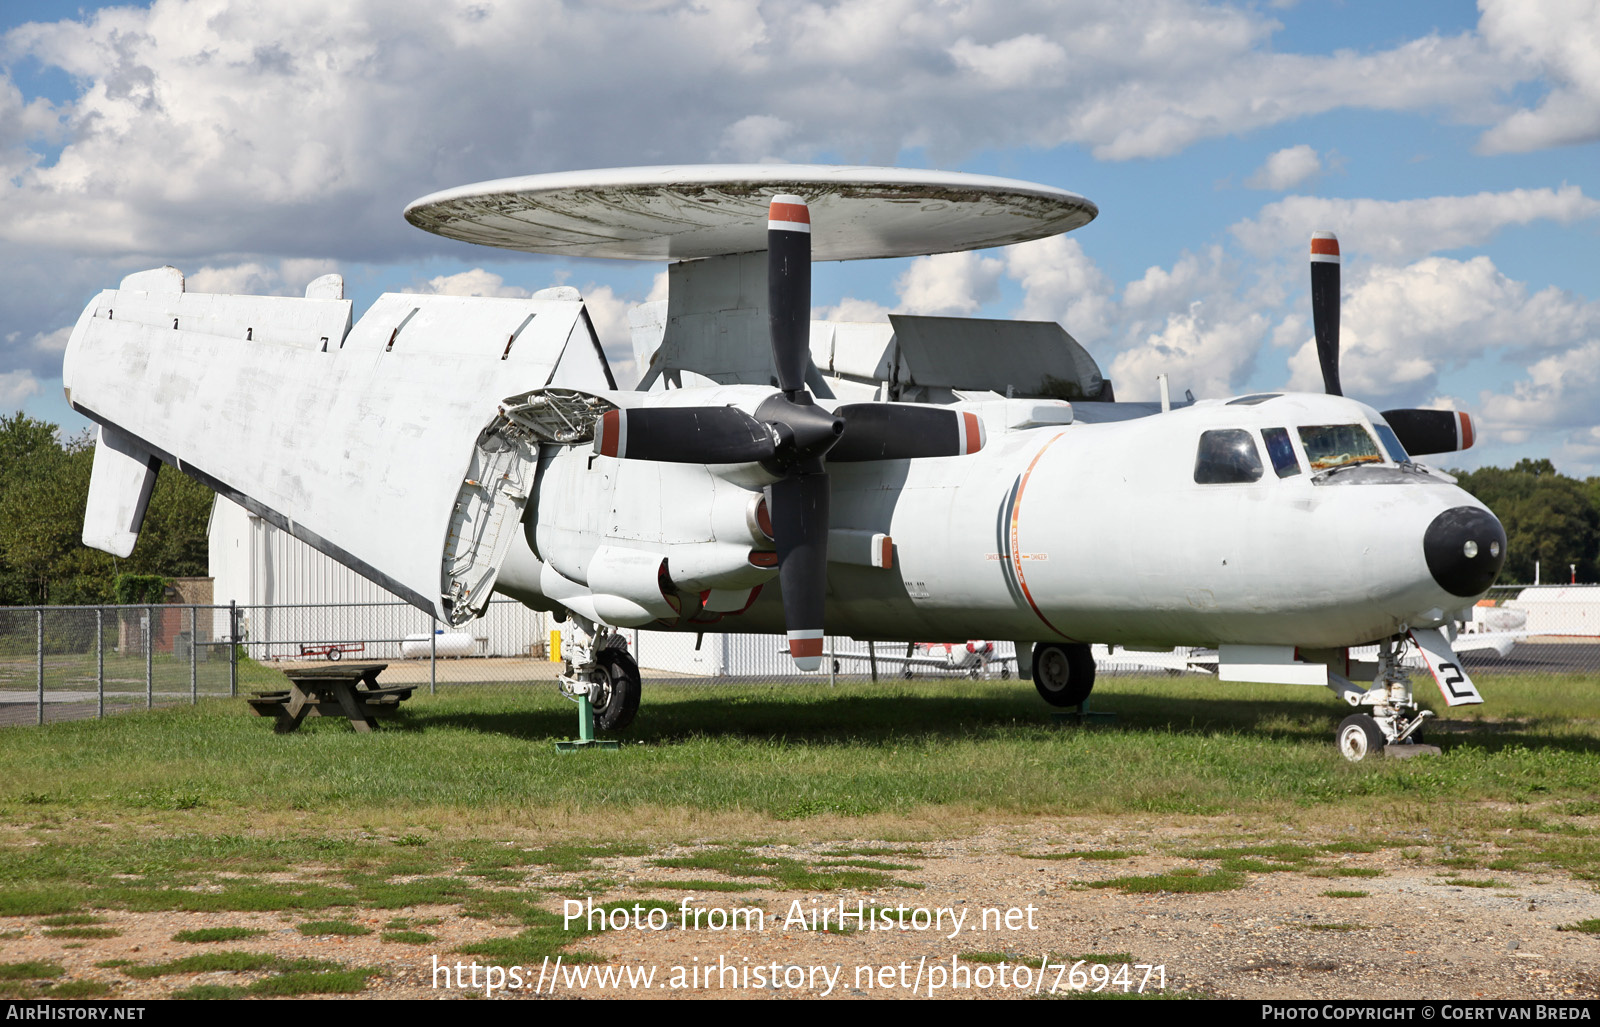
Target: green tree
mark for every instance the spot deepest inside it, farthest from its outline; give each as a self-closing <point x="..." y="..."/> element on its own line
<point x="44" y="488"/>
<point x="1548" y="517"/>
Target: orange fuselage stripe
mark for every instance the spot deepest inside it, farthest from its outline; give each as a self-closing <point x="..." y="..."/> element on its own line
<point x="1016" y="548"/>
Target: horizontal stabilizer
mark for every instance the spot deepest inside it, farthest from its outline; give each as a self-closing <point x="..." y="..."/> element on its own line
<point x="120" y="484"/>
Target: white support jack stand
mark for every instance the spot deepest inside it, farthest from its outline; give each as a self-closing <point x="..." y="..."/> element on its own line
<point x="1391" y="722"/>
<point x="601" y="678"/>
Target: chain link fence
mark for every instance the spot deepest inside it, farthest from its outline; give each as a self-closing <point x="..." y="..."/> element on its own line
<point x="75" y="662"/>
<point x="69" y="663"/>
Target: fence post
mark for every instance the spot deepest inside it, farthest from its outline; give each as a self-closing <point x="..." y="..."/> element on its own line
<point x="149" y="657"/>
<point x="194" y="673"/>
<point x="39" y="655"/>
<point x="872" y="658"/>
<point x="832" y="663"/>
<point x="100" y="662"/>
<point x="233" y="648"/>
<point x="433" y="657"/>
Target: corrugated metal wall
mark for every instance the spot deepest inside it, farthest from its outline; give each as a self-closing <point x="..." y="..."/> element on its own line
<point x="293" y="596"/>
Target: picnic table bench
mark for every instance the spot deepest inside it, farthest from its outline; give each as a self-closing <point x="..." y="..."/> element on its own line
<point x="349" y="690"/>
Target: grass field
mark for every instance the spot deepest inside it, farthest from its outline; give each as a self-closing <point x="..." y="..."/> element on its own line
<point x="765" y="753"/>
<point x="462" y="800"/>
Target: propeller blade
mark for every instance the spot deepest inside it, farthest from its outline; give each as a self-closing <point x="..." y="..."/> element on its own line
<point x="789" y="289"/>
<point x="799" y="509"/>
<point x="687" y="435"/>
<point x="1325" y="306"/>
<point x="1422" y="432"/>
<point x="891" y="431"/>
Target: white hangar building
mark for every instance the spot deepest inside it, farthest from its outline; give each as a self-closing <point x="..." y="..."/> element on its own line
<point x="293" y="597"/>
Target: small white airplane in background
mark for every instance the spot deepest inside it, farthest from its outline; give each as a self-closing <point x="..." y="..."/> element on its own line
<point x="973" y="658"/>
<point x="926" y="478"/>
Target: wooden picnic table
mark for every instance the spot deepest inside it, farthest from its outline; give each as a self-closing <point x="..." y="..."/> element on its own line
<point x="348" y="690"/>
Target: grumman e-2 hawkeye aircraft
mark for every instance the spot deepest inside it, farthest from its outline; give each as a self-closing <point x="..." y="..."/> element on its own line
<point x="929" y="478"/>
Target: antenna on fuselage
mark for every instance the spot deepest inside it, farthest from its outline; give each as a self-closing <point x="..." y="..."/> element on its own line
<point x="1166" y="393"/>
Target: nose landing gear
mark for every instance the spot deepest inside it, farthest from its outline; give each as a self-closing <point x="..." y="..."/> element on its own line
<point x="1391" y="721"/>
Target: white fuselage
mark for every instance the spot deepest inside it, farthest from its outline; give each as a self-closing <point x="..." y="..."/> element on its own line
<point x="1091" y="532"/>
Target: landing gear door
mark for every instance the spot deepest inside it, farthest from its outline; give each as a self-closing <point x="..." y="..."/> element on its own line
<point x="505" y="465"/>
<point x="487" y="516"/>
<point x="1454" y="684"/>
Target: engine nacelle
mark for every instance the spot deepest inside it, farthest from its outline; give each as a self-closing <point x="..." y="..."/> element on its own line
<point x="630" y="587"/>
<point x="722" y="566"/>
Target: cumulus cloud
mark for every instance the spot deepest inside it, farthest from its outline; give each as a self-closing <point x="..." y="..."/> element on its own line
<point x="476" y="282"/>
<point x="1557" y="391"/>
<point x="1560" y="40"/>
<point x="1396" y="230"/>
<point x="52" y="342"/>
<point x="236" y="136"/>
<point x="254" y="278"/>
<point x="1201" y="321"/>
<point x="1401" y="327"/>
<point x="1198" y="351"/>
<point x="955" y="284"/>
<point x="1025" y="60"/>
<point x="1580" y="453"/>
<point x="754" y="138"/>
<point x="1286" y="169"/>
<point x="206" y="126"/>
<point x="16" y="386"/>
<point x="1193" y="276"/>
<point x="608" y="312"/>
<point x="852" y="309"/>
<point x="1250" y="89"/>
<point x="1061" y="283"/>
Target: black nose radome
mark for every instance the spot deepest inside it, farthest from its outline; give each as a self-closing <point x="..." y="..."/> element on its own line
<point x="1465" y="547"/>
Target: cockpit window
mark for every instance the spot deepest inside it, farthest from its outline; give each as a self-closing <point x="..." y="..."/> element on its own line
<point x="1227" y="456"/>
<point x="1391" y="442"/>
<point x="1339" y="445"/>
<point x="1281" y="450"/>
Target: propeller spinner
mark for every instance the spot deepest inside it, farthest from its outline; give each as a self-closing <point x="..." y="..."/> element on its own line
<point x="791" y="435"/>
<point x="1421" y="432"/>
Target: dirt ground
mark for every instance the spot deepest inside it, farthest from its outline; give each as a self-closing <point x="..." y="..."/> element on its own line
<point x="1415" y="934"/>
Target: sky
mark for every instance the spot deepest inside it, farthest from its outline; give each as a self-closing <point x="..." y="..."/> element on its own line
<point x="257" y="144"/>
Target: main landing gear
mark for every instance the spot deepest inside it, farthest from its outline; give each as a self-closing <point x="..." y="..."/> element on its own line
<point x="1063" y="672"/>
<point x="601" y="678"/>
<point x="1390" y="721"/>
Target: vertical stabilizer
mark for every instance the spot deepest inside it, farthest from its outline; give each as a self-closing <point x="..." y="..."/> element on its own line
<point x="119" y="491"/>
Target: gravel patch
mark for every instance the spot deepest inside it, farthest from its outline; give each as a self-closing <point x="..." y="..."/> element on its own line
<point x="1417" y="933"/>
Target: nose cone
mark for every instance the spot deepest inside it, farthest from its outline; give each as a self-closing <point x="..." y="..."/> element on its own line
<point x="1465" y="547"/>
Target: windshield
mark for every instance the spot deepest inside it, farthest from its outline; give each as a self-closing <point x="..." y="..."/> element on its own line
<point x="1391" y="442"/>
<point x="1339" y="445"/>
